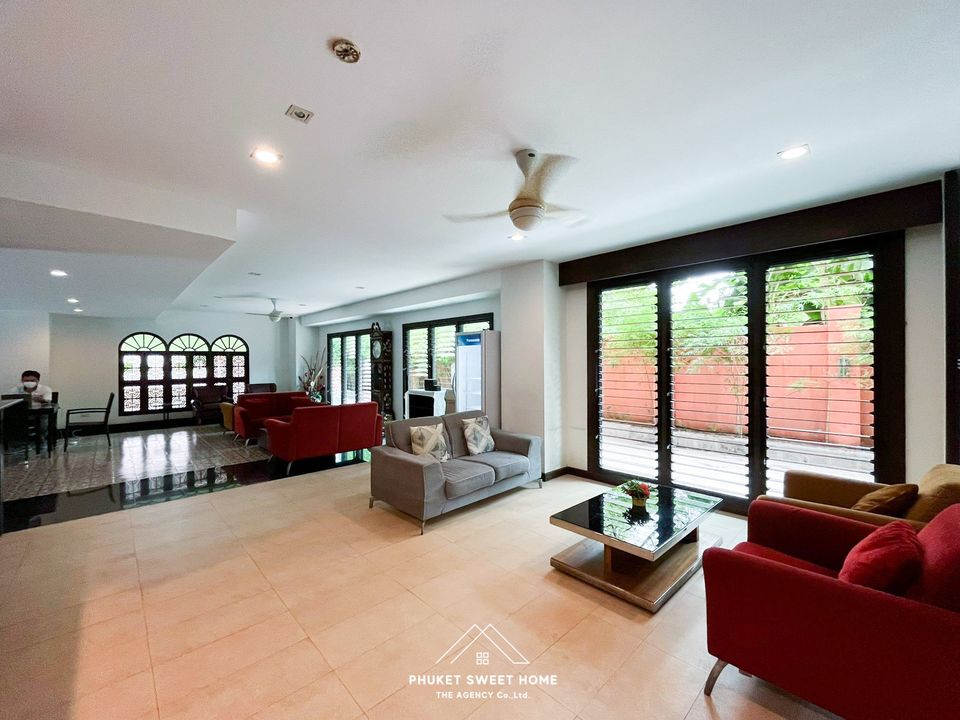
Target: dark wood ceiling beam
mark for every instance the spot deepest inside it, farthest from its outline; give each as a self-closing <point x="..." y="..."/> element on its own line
<point x="881" y="212"/>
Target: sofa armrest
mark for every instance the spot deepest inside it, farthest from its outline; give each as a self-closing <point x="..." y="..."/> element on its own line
<point x="283" y="441"/>
<point x="813" y="536"/>
<point x="829" y="641"/>
<point x="860" y="515"/>
<point x="411" y="483"/>
<point x="528" y="445"/>
<point x="825" y="489"/>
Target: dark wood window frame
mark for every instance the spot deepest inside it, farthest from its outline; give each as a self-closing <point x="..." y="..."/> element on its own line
<point x="951" y="253"/>
<point x="889" y="367"/>
<point x="358" y="375"/>
<point x="428" y="325"/>
<point x="167" y="382"/>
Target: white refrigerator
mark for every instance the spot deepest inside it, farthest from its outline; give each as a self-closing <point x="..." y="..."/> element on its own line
<point x="476" y="381"/>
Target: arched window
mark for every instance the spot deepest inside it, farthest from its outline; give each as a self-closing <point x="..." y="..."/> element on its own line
<point x="143" y="373"/>
<point x="188" y="368"/>
<point x="157" y="378"/>
<point x="230" y="359"/>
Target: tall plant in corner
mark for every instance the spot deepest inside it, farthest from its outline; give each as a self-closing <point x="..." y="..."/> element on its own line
<point x="313" y="379"/>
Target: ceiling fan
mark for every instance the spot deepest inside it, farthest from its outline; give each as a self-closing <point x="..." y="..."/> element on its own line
<point x="275" y="315"/>
<point x="528" y="208"/>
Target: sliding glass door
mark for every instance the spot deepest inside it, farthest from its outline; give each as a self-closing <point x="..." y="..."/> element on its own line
<point x="709" y="411"/>
<point x="820" y="368"/>
<point x="724" y="379"/>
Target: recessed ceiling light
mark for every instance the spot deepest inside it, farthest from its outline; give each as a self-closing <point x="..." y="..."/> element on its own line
<point x="72" y="301"/>
<point x="517" y="236"/>
<point x="794" y="152"/>
<point x="78" y="309"/>
<point x="58" y="273"/>
<point x="266" y="156"/>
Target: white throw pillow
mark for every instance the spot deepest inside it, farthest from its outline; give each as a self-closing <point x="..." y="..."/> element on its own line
<point x="429" y="440"/>
<point x="476" y="431"/>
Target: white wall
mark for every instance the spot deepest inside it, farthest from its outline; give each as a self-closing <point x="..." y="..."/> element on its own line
<point x="575" y="377"/>
<point x="84" y="361"/>
<point x="925" y="352"/>
<point x="24" y="345"/>
<point x="531" y="354"/>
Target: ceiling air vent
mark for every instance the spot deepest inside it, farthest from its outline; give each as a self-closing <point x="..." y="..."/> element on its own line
<point x="299" y="114"/>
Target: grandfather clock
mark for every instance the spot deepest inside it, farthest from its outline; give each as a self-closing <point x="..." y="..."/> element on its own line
<point x="381" y="362"/>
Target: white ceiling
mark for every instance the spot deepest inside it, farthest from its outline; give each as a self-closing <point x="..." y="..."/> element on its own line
<point x="676" y="110"/>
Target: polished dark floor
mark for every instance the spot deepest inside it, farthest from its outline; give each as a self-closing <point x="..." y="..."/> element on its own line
<point x="59" y="507"/>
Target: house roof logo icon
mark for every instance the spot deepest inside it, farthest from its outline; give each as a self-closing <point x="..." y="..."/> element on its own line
<point x="492" y="636"/>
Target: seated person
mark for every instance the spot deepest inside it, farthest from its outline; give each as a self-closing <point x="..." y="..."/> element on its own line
<point x="30" y="385"/>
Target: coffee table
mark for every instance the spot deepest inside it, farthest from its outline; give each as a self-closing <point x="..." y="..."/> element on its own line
<point x="641" y="555"/>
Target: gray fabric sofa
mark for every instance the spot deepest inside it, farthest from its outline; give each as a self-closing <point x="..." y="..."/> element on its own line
<point x="424" y="487"/>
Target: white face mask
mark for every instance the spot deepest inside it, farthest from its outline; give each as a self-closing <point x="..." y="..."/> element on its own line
<point x="29" y="385"/>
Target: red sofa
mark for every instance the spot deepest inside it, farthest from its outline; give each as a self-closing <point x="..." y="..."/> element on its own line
<point x="321" y="430"/>
<point x="253" y="409"/>
<point x="776" y="610"/>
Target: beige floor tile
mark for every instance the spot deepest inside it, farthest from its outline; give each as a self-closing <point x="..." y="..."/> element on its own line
<point x="351" y="638"/>
<point x="171" y="641"/>
<point x="55" y="672"/>
<point x="421" y="703"/>
<point x="321" y="608"/>
<point x="681" y="630"/>
<point x="228" y="589"/>
<point x="738" y="697"/>
<point x="252" y="688"/>
<point x="209" y="581"/>
<point x="534" y="704"/>
<point x="380" y="672"/>
<point x="323" y="699"/>
<point x="130" y="699"/>
<point x="649" y="684"/>
<point x="67" y="620"/>
<point x="178" y="677"/>
<point x="583" y="660"/>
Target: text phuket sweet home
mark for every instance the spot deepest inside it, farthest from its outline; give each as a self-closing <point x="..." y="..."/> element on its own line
<point x="478" y="680"/>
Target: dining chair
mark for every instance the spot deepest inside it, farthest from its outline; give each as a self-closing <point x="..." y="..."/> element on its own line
<point x="80" y="424"/>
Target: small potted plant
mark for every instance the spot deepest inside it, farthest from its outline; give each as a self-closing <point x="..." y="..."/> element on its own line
<point x="638" y="492"/>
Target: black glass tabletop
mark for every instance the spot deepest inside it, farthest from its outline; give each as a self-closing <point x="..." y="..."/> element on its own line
<point x="669" y="515"/>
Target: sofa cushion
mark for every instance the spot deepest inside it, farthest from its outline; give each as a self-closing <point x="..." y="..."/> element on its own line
<point x="505" y="464"/>
<point x="258" y="407"/>
<point x="476" y="433"/>
<point x="931" y="502"/>
<point x="429" y="440"/>
<point x="398" y="432"/>
<point x="763" y="551"/>
<point x="939" y="582"/>
<point x="888" y="500"/>
<point x="454" y="425"/>
<point x="888" y="559"/>
<point x="462" y="478"/>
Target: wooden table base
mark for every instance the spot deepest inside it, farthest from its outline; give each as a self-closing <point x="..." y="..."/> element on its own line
<point x="631" y="578"/>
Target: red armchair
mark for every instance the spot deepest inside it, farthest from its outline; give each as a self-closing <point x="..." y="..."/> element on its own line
<point x="252" y="410"/>
<point x="776" y="610"/>
<point x="321" y="430"/>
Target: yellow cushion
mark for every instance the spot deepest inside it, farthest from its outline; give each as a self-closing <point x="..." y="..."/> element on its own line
<point x="889" y="500"/>
<point x="930" y="502"/>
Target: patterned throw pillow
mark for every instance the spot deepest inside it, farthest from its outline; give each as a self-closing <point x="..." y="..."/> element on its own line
<point x="429" y="440"/>
<point x="476" y="431"/>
